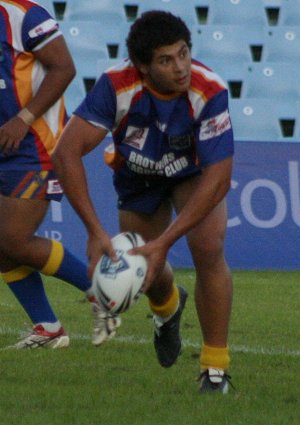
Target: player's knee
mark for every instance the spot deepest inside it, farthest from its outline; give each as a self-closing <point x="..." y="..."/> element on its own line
<point x="206" y="253"/>
<point x="13" y="246"/>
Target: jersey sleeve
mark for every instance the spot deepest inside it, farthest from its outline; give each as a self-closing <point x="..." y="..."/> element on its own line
<point x="214" y="135"/>
<point x="99" y="106"/>
<point x="38" y="28"/>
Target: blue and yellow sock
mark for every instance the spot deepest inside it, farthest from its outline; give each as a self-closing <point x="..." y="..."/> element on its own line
<point x="214" y="357"/>
<point x="167" y="309"/>
<point x="27" y="286"/>
<point x="64" y="265"/>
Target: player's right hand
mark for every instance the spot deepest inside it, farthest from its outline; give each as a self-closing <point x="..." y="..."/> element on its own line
<point x="98" y="245"/>
<point x="11" y="135"/>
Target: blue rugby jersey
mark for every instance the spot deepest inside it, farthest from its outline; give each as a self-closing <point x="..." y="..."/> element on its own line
<point x="158" y="135"/>
<point x="24" y="28"/>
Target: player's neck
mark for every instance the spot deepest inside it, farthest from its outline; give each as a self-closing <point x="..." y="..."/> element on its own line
<point x="153" y="90"/>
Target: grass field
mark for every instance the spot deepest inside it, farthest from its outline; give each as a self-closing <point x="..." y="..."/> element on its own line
<point x="121" y="383"/>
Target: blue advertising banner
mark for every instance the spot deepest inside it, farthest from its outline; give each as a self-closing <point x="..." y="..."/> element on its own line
<point x="264" y="209"/>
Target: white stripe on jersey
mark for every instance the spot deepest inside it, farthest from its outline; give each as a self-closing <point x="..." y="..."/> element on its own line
<point x="123" y="102"/>
<point x="195" y="98"/>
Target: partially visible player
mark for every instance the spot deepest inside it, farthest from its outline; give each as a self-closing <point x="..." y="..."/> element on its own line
<point x="35" y="69"/>
<point x="173" y="150"/>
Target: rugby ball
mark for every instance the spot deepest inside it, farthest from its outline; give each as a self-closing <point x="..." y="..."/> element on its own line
<point x="117" y="284"/>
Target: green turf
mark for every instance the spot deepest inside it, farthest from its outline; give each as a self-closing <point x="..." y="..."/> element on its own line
<point x="121" y="383"/>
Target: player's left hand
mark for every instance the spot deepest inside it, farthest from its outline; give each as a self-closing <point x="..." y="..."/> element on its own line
<point x="155" y="252"/>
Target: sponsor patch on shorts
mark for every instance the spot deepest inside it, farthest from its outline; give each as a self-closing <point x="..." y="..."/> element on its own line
<point x="54" y="187"/>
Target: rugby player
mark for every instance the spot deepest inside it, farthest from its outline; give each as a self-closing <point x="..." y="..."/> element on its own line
<point x="172" y="150"/>
<point x="35" y="69"/>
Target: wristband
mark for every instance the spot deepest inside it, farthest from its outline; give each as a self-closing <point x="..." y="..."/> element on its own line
<point x="26" y="116"/>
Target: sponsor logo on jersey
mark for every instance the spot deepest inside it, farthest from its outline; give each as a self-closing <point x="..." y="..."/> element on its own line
<point x="215" y="126"/>
<point x="136" y="137"/>
<point x="168" y="166"/>
<point x="2" y="84"/>
<point x="43" y="28"/>
<point x="180" y="142"/>
<point x="54" y="187"/>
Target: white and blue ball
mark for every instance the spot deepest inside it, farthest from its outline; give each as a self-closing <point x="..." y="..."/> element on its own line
<point x="117" y="284"/>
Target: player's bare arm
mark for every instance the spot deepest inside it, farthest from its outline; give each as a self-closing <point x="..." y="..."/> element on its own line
<point x="56" y="59"/>
<point x="78" y="139"/>
<point x="213" y="185"/>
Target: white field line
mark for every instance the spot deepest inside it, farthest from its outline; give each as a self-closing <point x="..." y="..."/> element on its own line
<point x="130" y="339"/>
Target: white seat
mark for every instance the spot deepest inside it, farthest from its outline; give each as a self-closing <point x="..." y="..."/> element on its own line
<point x="104" y="64"/>
<point x="290" y="13"/>
<point x="87" y="44"/>
<point x="260" y="120"/>
<point x="273" y="80"/>
<point x="237" y="12"/>
<point x="225" y="42"/>
<point x="297" y="123"/>
<point x="273" y="3"/>
<point x="184" y="9"/>
<point x="74" y="94"/>
<point x="233" y="73"/>
<point x="111" y="11"/>
<point x="282" y="43"/>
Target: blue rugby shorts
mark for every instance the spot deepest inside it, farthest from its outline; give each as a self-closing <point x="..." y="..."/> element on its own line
<point x="142" y="194"/>
<point x="30" y="185"/>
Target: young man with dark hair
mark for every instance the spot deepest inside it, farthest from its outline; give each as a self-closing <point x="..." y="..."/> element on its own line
<point x="35" y="69"/>
<point x="172" y="149"/>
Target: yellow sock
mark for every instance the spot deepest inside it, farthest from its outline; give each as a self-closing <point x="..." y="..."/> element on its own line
<point x="170" y="307"/>
<point x="19" y="273"/>
<point x="55" y="259"/>
<point x="214" y="357"/>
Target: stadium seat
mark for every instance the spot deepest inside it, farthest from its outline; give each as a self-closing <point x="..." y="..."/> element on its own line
<point x="297" y="123"/>
<point x="237" y="12"/>
<point x="104" y="64"/>
<point x="261" y="120"/>
<point x="277" y="81"/>
<point x="273" y="3"/>
<point x="234" y="43"/>
<point x="74" y="94"/>
<point x="282" y="43"/>
<point x="108" y="11"/>
<point x="89" y="41"/>
<point x="290" y="13"/>
<point x="234" y="75"/>
<point x="185" y="9"/>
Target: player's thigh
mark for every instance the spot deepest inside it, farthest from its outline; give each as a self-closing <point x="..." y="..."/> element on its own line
<point x="206" y="240"/>
<point x="20" y="218"/>
<point x="149" y="226"/>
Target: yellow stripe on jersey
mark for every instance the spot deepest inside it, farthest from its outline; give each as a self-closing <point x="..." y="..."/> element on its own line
<point x="23" y="77"/>
<point x="55" y="259"/>
<point x="18" y="5"/>
<point x="16" y="274"/>
<point x="50" y="125"/>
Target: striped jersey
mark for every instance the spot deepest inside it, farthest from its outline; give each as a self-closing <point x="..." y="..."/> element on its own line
<point x="26" y="27"/>
<point x="155" y="135"/>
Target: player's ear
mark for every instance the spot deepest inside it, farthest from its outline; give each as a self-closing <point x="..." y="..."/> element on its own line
<point x="142" y="68"/>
